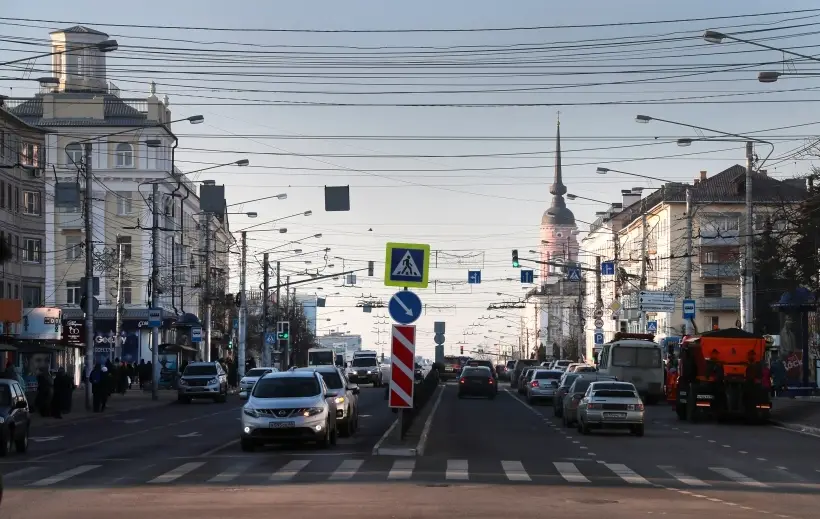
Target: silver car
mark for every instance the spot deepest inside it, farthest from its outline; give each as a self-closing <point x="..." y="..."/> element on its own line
<point x="204" y="380"/>
<point x="572" y="396"/>
<point x="542" y="385"/>
<point x="289" y="406"/>
<point x="611" y="405"/>
<point x="346" y="397"/>
<point x="247" y="382"/>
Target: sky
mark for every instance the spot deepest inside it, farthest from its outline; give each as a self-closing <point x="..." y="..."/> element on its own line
<point x="458" y="167"/>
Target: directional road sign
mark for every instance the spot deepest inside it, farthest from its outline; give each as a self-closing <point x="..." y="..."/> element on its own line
<point x="656" y="301"/>
<point x="573" y="274"/>
<point x="407" y="265"/>
<point x="652" y="326"/>
<point x="270" y="338"/>
<point x="599" y="338"/>
<point x="235" y="323"/>
<point x="688" y="308"/>
<point x="405" y="307"/>
<point x="196" y="334"/>
<point x="402" y="364"/>
<point x="155" y="317"/>
<point x="527" y="276"/>
<point x="474" y="277"/>
<point x="607" y="268"/>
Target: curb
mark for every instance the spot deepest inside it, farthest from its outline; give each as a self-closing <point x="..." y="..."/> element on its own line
<point x="418" y="450"/>
<point x="807" y="430"/>
<point x="92" y="417"/>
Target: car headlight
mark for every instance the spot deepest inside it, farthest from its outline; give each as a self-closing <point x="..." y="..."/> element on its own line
<point x="312" y="411"/>
<point x="340" y="400"/>
<point x="250" y="411"/>
<point x="2" y="420"/>
<point x="183" y="382"/>
<point x="369" y="372"/>
<point x="213" y="381"/>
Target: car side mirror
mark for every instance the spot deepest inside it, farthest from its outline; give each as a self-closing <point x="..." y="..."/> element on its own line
<point x="21" y="404"/>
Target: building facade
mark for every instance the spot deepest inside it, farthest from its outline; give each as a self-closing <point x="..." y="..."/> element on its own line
<point x="131" y="148"/>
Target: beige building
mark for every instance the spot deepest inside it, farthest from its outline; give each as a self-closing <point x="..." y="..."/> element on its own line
<point x="78" y="105"/>
<point x="22" y="210"/>
<point x="718" y="207"/>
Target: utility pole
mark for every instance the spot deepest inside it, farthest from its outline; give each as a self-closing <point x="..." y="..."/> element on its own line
<point x="616" y="246"/>
<point x="286" y="348"/>
<point x="643" y="268"/>
<point x="747" y="282"/>
<point x="690" y="328"/>
<point x="265" y="298"/>
<point x="282" y="362"/>
<point x="243" y="308"/>
<point x="89" y="277"/>
<point x="208" y="299"/>
<point x="118" y="312"/>
<point x="155" y="289"/>
<point x="599" y="298"/>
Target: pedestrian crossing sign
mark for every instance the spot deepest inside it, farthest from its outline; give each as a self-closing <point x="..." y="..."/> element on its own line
<point x="407" y="265"/>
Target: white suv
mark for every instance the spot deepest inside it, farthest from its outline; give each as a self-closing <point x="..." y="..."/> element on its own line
<point x="289" y="406"/>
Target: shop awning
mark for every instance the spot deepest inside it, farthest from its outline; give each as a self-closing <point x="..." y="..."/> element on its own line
<point x="33" y="347"/>
<point x="176" y="348"/>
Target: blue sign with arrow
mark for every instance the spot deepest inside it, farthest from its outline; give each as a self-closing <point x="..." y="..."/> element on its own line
<point x="474" y="277"/>
<point x="405" y="307"/>
<point x="527" y="276"/>
<point x="607" y="268"/>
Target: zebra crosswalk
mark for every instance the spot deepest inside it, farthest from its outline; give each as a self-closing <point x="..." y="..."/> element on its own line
<point x="252" y="470"/>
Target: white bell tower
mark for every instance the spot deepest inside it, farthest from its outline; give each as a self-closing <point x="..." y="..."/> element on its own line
<point x="80" y="64"/>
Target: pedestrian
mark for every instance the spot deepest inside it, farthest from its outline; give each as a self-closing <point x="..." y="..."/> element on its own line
<point x="96" y="387"/>
<point x="122" y="382"/>
<point x="141" y="373"/>
<point x="45" y="392"/>
<point x="63" y="388"/>
<point x="105" y="387"/>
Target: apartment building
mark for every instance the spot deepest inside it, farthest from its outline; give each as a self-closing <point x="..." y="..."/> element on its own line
<point x="718" y="207"/>
<point x="22" y="210"/>
<point x="132" y="148"/>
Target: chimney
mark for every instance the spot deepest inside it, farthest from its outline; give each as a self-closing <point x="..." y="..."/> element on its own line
<point x="702" y="175"/>
<point x="629" y="197"/>
<point x="696" y="181"/>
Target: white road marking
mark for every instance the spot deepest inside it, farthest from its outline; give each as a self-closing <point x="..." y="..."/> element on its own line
<point x="178" y="472"/>
<point x="11" y="476"/>
<point x="289" y="471"/>
<point x="457" y="470"/>
<point x="515" y="471"/>
<point x="62" y="476"/>
<point x="402" y="469"/>
<point x="570" y="472"/>
<point x="683" y="478"/>
<point x="346" y="470"/>
<point x="627" y="474"/>
<point x="737" y="477"/>
<point x="232" y="473"/>
<point x="425" y="432"/>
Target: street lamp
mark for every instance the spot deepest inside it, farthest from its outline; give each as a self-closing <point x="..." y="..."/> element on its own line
<point x="604" y="171"/>
<point x="103" y="46"/>
<point x="305" y="213"/>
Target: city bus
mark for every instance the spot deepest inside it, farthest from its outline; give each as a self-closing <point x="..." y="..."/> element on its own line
<point x="321" y="357"/>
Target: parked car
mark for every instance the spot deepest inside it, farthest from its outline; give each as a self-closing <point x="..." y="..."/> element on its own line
<point x="246" y="383"/>
<point x="203" y="380"/>
<point x="15" y="418"/>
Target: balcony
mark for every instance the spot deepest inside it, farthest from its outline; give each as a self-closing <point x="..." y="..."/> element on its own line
<point x="69" y="220"/>
<point x="719" y="270"/>
<point x="724" y="239"/>
<point x="727" y="304"/>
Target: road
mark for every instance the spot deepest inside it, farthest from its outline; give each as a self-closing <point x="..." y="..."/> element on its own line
<point x="481" y="456"/>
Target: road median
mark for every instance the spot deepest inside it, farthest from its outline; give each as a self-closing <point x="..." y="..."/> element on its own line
<point x="414" y="439"/>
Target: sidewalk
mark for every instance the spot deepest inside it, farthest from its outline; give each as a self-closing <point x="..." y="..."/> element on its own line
<point x="133" y="400"/>
<point x="799" y="413"/>
<point x="415" y="438"/>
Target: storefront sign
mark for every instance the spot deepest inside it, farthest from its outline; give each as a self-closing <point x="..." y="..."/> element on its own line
<point x="44" y="324"/>
<point x="74" y="332"/>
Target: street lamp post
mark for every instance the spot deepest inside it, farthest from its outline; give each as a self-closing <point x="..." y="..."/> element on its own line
<point x="103" y="46"/>
<point x="747" y="282"/>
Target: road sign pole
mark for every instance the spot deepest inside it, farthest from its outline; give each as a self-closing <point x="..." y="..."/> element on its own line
<point x="265" y="297"/>
<point x="243" y="309"/>
<point x="643" y="265"/>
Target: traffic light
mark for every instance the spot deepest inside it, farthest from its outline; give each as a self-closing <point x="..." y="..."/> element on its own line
<point x="283" y="330"/>
<point x="462" y="350"/>
<point x="238" y="300"/>
<point x="515" y="261"/>
<point x="371" y="265"/>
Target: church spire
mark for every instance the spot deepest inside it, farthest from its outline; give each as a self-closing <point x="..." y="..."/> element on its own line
<point x="558" y="189"/>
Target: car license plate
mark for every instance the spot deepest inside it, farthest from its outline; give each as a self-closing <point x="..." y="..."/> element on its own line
<point x="282" y="425"/>
<point x="197" y="389"/>
<point x="448" y="369"/>
<point x="615" y="415"/>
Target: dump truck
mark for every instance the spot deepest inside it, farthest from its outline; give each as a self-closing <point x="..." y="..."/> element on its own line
<point x="720" y="374"/>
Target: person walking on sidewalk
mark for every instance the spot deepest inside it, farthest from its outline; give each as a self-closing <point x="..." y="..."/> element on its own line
<point x="45" y="392"/>
<point x="97" y="387"/>
<point x="63" y="388"/>
<point x="105" y="387"/>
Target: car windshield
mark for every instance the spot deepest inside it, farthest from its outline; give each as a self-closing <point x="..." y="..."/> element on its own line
<point x="581" y="385"/>
<point x="332" y="379"/>
<point x="199" y="370"/>
<point x="541" y="375"/>
<point x="636" y="357"/>
<point x="286" y="387"/>
<point x="569" y="379"/>
<point x="478" y="371"/>
<point x="363" y="362"/>
<point x="257" y="372"/>
<point x="5" y="396"/>
<point x="614" y="393"/>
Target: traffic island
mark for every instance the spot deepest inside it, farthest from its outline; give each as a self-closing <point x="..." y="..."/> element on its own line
<point x="414" y="439"/>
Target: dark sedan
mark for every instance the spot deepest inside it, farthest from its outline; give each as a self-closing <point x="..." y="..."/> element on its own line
<point x="477" y="381"/>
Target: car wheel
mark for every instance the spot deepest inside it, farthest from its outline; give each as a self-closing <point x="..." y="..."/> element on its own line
<point x="22" y="444"/>
<point x="346" y="430"/>
<point x="531" y="401"/>
<point x="223" y="397"/>
<point x="460" y="396"/>
<point x="638" y="430"/>
<point x="5" y="445"/>
<point x="334" y="435"/>
<point x="557" y="412"/>
<point x="248" y="445"/>
<point x="183" y="400"/>
<point x="492" y="396"/>
<point x="324" y="443"/>
<point x="584" y="428"/>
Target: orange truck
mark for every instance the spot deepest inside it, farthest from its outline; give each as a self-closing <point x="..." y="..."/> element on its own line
<point x="720" y="374"/>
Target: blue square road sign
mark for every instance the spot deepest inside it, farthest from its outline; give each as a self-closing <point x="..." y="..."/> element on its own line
<point x="474" y="277"/>
<point x="407" y="265"/>
<point x="527" y="276"/>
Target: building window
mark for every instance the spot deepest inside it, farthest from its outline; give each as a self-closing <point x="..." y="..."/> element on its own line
<point x="2" y="195"/>
<point x="124" y="203"/>
<point x="714" y="322"/>
<point x="29" y="154"/>
<point x="125" y="293"/>
<point x="16" y="291"/>
<point x="125" y="155"/>
<point x="32" y="296"/>
<point x="126" y="246"/>
<point x="31" y="203"/>
<point x="31" y="250"/>
<point x="73" y="293"/>
<point x="10" y="203"/>
<point x="16" y="246"/>
<point x="710" y="290"/>
<point x="710" y="257"/>
<point x="16" y="199"/>
<point x="74" y="248"/>
<point x="74" y="154"/>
